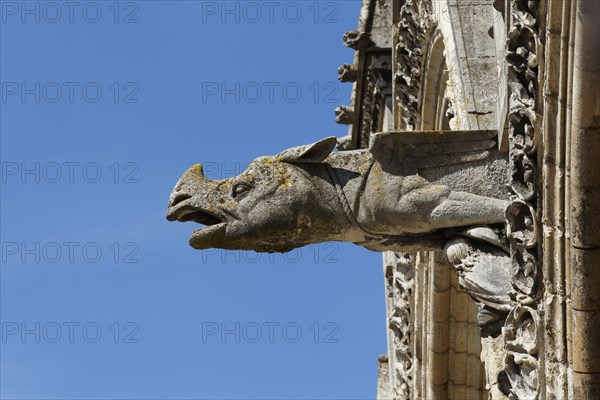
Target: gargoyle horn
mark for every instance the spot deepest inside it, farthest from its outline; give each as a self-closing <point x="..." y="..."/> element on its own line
<point x="192" y="177"/>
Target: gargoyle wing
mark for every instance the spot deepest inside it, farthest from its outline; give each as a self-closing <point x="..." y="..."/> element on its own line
<point x="410" y="152"/>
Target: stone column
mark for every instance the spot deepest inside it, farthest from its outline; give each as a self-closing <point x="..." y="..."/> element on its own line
<point x="584" y="193"/>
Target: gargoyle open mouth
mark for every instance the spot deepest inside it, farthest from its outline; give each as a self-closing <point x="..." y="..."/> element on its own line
<point x="204" y="237"/>
<point x="191" y="213"/>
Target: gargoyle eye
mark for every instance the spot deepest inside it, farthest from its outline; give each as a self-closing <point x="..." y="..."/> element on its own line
<point x="240" y="188"/>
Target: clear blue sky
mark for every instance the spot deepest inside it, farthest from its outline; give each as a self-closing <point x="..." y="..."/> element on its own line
<point x="85" y="93"/>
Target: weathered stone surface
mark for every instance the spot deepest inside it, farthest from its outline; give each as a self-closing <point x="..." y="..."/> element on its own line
<point x="586" y="386"/>
<point x="483" y="274"/>
<point x="357" y="40"/>
<point x="521" y="348"/>
<point x="308" y="194"/>
<point x="344" y="115"/>
<point x="383" y="378"/>
<point x="347" y="73"/>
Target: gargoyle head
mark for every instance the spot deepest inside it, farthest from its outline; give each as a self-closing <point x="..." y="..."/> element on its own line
<point x="269" y="207"/>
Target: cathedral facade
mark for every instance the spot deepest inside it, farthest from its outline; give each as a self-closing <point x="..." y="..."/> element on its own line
<point x="529" y="70"/>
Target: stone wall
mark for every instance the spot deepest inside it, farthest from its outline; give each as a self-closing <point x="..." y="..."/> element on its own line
<point x="531" y="71"/>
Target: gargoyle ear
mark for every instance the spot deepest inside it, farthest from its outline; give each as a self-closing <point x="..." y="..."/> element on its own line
<point x="311" y="153"/>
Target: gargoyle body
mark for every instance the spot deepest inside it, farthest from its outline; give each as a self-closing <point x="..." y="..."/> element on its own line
<point x="403" y="192"/>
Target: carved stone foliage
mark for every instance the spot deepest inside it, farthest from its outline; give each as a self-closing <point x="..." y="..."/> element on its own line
<point x="400" y="280"/>
<point x="412" y="29"/>
<point x="378" y="79"/>
<point x="520" y="345"/>
<point x="521" y="328"/>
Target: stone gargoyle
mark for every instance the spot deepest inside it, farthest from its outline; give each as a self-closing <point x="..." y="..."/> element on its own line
<point x="405" y="192"/>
